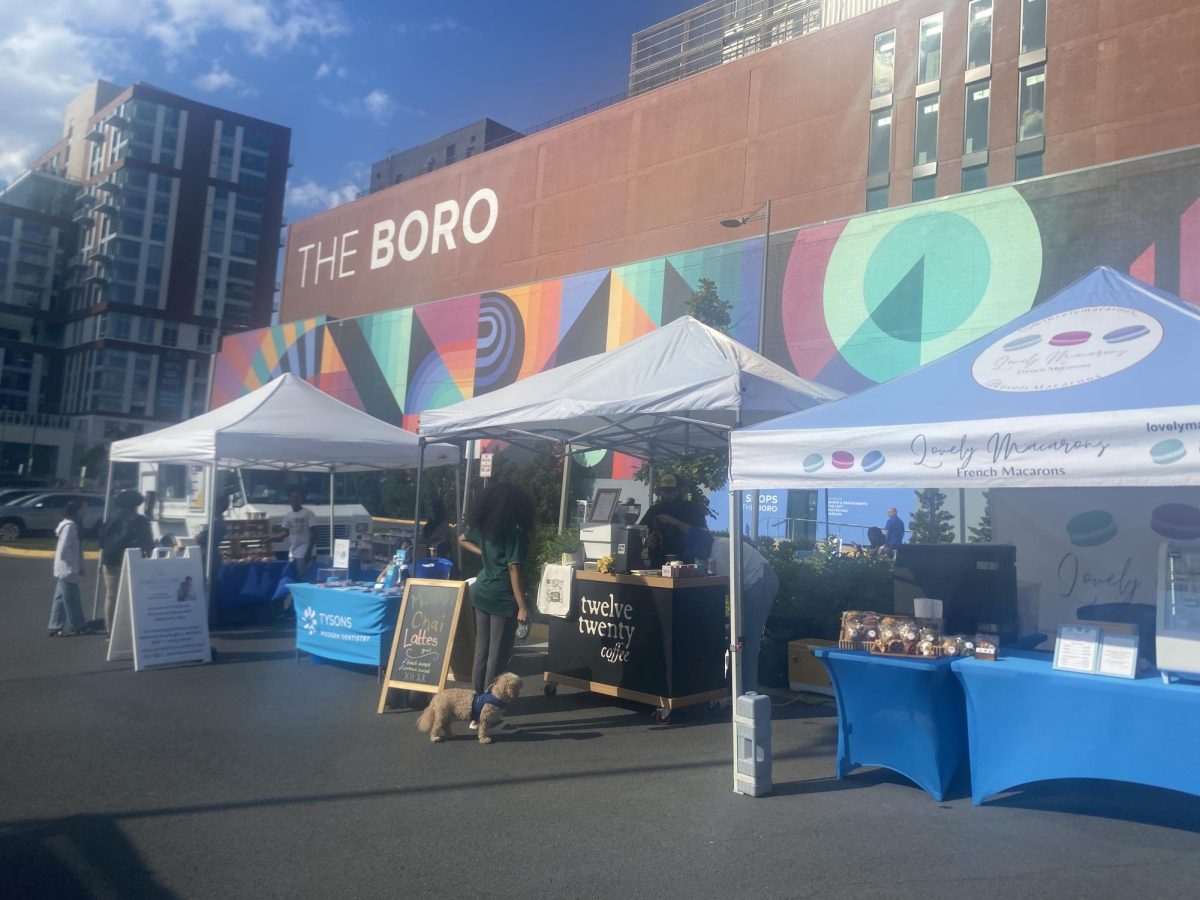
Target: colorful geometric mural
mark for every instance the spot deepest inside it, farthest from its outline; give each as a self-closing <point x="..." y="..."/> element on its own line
<point x="849" y="303"/>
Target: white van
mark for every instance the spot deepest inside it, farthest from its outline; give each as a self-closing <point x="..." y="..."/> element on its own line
<point x="181" y="495"/>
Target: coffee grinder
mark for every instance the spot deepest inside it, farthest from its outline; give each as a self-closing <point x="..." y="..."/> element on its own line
<point x="628" y="557"/>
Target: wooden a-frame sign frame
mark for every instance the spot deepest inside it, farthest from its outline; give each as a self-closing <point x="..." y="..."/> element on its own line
<point x="389" y="683"/>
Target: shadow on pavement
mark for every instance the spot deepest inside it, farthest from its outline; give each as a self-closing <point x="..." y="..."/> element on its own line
<point x="79" y="856"/>
<point x="1107" y="800"/>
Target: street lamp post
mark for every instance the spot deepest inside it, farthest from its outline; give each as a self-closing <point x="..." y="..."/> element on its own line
<point x="763" y="212"/>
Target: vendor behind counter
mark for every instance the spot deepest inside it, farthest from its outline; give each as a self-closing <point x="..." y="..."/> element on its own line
<point x="663" y="539"/>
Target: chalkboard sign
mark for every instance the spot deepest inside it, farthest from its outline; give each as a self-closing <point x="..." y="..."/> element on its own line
<point x="424" y="638"/>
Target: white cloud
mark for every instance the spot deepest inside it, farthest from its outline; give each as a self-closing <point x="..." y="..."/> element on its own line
<point x="42" y="66"/>
<point x="379" y="105"/>
<point x="264" y="25"/>
<point x="220" y="79"/>
<point x="308" y="194"/>
<point x="52" y="49"/>
<point x="328" y="68"/>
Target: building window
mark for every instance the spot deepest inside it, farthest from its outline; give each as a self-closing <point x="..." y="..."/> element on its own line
<point x="974" y="178"/>
<point x="170" y="334"/>
<point x="924" y="188"/>
<point x="925" y="144"/>
<point x="877" y="198"/>
<point x="884" y="66"/>
<point x="1033" y="25"/>
<point x="204" y="339"/>
<point x="1032" y="103"/>
<point x="929" y="52"/>
<point x="1029" y="166"/>
<point x="975" y="128"/>
<point x="451" y="153"/>
<point x="979" y="33"/>
<point x="879" y="160"/>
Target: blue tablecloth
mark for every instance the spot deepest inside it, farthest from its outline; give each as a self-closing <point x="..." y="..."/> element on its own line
<point x="1028" y="722"/>
<point x="352" y="626"/>
<point x="900" y="713"/>
<point x="244" y="584"/>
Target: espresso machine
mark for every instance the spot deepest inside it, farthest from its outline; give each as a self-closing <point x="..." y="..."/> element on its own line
<point x="628" y="555"/>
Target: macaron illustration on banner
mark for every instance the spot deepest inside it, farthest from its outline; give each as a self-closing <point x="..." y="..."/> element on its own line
<point x="1176" y="521"/>
<point x="1067" y="349"/>
<point x="1169" y="451"/>
<point x="1091" y="528"/>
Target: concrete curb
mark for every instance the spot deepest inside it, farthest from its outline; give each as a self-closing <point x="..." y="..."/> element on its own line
<point x="22" y="553"/>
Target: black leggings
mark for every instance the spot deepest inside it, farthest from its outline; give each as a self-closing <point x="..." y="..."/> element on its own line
<point x="494" y="638"/>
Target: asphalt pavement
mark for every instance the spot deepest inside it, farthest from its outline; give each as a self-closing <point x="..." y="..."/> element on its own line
<point x="264" y="776"/>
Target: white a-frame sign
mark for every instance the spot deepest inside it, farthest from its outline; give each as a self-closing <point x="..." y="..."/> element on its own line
<point x="161" y="616"/>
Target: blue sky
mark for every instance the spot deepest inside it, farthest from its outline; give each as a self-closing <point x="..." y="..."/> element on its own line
<point x="350" y="78"/>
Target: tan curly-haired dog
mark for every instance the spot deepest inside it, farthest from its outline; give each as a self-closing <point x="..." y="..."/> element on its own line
<point x="455" y="703"/>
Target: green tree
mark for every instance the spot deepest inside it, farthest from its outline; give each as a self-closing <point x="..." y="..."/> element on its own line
<point x="701" y="473"/>
<point x="707" y="306"/>
<point x="930" y="524"/>
<point x="982" y="533"/>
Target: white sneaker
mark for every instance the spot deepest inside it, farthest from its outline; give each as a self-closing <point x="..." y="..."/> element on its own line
<point x="503" y="728"/>
<point x="474" y="726"/>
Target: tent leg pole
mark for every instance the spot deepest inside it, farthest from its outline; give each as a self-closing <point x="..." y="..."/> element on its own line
<point x="565" y="494"/>
<point x="332" y="515"/>
<point x="417" y="501"/>
<point x="458" y="525"/>
<point x="735" y="610"/>
<point x="208" y="557"/>
<point x="100" y="563"/>
<point x="469" y="449"/>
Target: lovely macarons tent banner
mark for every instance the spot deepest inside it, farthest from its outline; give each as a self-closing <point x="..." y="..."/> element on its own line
<point x="1099" y="385"/>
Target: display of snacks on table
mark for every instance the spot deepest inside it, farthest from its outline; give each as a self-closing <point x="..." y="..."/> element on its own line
<point x="894" y="635"/>
<point x="957" y="645"/>
<point x="247" y="540"/>
<point x="986" y="647"/>
<point x="908" y="636"/>
<point x="859" y="629"/>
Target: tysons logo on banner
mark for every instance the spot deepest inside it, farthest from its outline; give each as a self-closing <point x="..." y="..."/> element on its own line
<point x="1068" y="349"/>
<point x="308" y="621"/>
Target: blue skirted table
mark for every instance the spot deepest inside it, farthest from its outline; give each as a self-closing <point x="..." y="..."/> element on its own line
<point x="902" y="713"/>
<point x="347" y="625"/>
<point x="1030" y="722"/>
<point x="248" y="583"/>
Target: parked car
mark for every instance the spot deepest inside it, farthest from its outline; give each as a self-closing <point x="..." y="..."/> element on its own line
<point x="19" y="481"/>
<point x="43" y="512"/>
<point x="10" y="496"/>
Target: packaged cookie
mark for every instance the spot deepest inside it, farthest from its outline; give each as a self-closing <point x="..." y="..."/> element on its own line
<point x="927" y="647"/>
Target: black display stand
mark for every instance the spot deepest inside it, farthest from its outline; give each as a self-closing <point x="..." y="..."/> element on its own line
<point x="646" y="638"/>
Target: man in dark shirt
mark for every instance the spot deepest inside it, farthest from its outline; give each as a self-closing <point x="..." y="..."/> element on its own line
<point x="663" y="541"/>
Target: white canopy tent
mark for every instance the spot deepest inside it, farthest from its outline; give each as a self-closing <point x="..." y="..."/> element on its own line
<point x="675" y="392"/>
<point x="285" y="424"/>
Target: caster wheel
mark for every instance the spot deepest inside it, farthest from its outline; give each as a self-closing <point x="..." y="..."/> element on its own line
<point x="662" y="716"/>
<point x="550" y="689"/>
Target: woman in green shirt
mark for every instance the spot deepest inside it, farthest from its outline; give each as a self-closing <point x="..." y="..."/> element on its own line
<point x="501" y="524"/>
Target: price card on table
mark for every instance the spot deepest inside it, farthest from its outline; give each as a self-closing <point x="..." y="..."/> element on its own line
<point x="1077" y="648"/>
<point x="1119" y="651"/>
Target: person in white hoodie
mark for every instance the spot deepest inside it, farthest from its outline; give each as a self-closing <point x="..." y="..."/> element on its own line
<point x="68" y="568"/>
